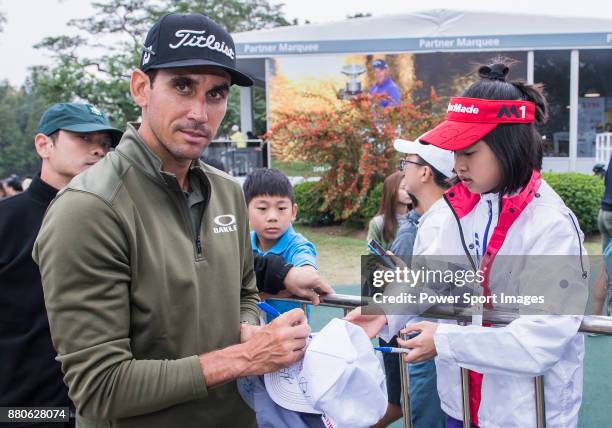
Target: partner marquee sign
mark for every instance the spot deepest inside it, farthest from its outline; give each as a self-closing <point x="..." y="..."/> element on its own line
<point x="425" y="44"/>
<point x="278" y="48"/>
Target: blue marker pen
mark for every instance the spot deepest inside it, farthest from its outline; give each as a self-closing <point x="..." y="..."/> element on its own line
<point x="269" y="309"/>
<point x="391" y="350"/>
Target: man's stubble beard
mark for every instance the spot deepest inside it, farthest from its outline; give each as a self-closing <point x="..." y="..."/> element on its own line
<point x="175" y="151"/>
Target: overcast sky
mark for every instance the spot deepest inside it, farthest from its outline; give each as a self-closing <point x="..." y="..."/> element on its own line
<point x="29" y="21"/>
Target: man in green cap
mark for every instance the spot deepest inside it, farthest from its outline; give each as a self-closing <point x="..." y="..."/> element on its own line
<point x="70" y="139"/>
<point x="146" y="259"/>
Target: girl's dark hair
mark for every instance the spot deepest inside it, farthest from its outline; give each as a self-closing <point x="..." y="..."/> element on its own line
<point x="388" y="205"/>
<point x="517" y="147"/>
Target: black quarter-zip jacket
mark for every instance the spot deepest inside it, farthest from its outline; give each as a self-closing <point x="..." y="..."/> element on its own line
<point x="29" y="373"/>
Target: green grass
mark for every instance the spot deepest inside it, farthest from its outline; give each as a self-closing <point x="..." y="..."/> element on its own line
<point x="338" y="238"/>
<point x="597" y="380"/>
<point x="296" y="168"/>
<point x="592" y="244"/>
<point x="338" y="253"/>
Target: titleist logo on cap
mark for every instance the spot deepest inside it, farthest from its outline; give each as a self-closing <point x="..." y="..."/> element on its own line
<point x="460" y="108"/>
<point x="180" y="40"/>
<point x="194" y="38"/>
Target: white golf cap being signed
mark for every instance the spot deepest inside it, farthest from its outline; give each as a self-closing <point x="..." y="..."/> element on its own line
<point x="340" y="377"/>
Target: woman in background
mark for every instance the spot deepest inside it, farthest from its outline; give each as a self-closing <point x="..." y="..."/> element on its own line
<point x="394" y="207"/>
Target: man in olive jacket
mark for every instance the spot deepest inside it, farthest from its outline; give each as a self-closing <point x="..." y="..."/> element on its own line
<point x="146" y="262"/>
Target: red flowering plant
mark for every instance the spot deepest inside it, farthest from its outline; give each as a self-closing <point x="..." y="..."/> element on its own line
<point x="353" y="139"/>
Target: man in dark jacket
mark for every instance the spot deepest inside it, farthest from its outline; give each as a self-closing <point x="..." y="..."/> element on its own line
<point x="71" y="137"/>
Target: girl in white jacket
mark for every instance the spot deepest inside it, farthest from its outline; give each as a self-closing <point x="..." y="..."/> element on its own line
<point x="501" y="207"/>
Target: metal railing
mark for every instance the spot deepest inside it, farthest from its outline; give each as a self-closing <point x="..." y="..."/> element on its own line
<point x="590" y="324"/>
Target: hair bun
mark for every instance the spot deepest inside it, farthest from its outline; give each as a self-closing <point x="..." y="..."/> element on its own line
<point x="494" y="72"/>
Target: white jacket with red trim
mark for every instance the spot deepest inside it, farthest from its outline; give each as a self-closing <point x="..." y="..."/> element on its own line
<point x="511" y="356"/>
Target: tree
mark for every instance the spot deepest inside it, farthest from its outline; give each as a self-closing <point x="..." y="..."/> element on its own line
<point x="20" y="110"/>
<point x="116" y="31"/>
<point x="353" y="140"/>
<point x="102" y="80"/>
<point x="235" y="15"/>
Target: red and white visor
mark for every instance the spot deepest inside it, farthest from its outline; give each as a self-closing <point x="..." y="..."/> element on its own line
<point x="468" y="120"/>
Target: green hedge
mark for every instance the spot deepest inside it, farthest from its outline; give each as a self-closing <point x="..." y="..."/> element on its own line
<point x="371" y="204"/>
<point x="581" y="193"/>
<point x="309" y="201"/>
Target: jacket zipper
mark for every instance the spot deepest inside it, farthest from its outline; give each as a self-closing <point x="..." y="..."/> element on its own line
<point x="461" y="235"/>
<point x="196" y="241"/>
<point x="486" y="233"/>
<point x="184" y="208"/>
<point x="585" y="274"/>
<point x="198" y="244"/>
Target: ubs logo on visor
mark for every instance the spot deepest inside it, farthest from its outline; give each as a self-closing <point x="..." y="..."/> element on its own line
<point x="225" y="223"/>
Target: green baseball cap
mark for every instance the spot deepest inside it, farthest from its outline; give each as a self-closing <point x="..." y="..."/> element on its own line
<point x="76" y="117"/>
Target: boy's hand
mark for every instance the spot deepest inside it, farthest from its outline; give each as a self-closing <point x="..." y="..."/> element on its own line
<point x="305" y="282"/>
